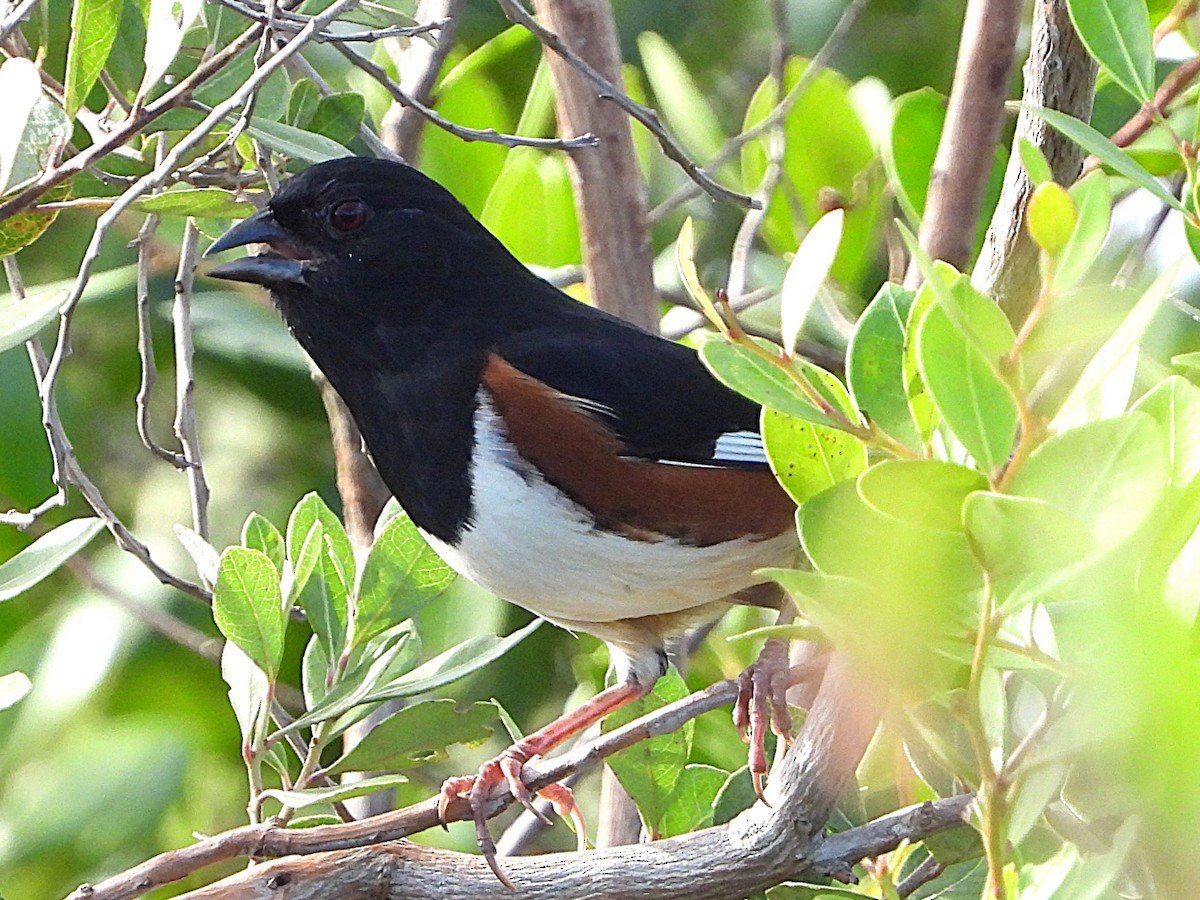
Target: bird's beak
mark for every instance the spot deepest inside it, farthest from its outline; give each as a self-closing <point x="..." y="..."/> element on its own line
<point x="265" y="269"/>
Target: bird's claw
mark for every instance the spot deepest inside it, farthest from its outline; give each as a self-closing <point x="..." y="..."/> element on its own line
<point x="762" y="704"/>
<point x="507" y="770"/>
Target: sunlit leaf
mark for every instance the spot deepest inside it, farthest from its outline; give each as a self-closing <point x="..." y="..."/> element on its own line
<point x="917" y="119"/>
<point x="805" y="275"/>
<point x="294" y="142"/>
<point x="1034" y="161"/>
<point x="299" y="799"/>
<point x="418" y="734"/>
<point x="1117" y="33"/>
<point x="1108" y="474"/>
<point x="875" y="363"/>
<point x="168" y="21"/>
<point x="13" y="688"/>
<point x="1051" y="217"/>
<point x="45" y="555"/>
<point x="685" y="260"/>
<point x="21" y="321"/>
<point x="402" y="573"/>
<point x="93" y="31"/>
<point x="808" y="458"/>
<point x="1094" y="204"/>
<point x="1106" y="151"/>
<point x="650" y="770"/>
<point x="214" y="202"/>
<point x="33" y="123"/>
<point x="248" y="607"/>
<point x="258" y="533"/>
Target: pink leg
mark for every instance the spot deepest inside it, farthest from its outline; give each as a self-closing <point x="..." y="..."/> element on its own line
<point x="506" y="769"/>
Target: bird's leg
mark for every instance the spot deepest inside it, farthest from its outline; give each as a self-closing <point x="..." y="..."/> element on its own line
<point x="506" y="769"/>
<point x="762" y="698"/>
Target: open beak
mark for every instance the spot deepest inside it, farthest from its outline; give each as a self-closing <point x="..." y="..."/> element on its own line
<point x="266" y="269"/>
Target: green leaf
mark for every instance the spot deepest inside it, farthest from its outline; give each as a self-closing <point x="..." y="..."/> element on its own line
<point x="249" y="689"/>
<point x="417" y="735"/>
<point x="338" y="117"/>
<point x="13" y="688"/>
<point x="691" y="806"/>
<point x="199" y="202"/>
<point x="531" y="209"/>
<point x="960" y="341"/>
<point x="45" y="555"/>
<point x="93" y="32"/>
<point x="1117" y="33"/>
<point x="248" y="607"/>
<point x="925" y="492"/>
<point x="688" y="113"/>
<point x="401" y="574"/>
<point x="875" y="363"/>
<point x="457" y="662"/>
<point x="21" y="321"/>
<point x="390" y="654"/>
<point x="1122" y="342"/>
<point x="806" y="274"/>
<point x="1108" y="474"/>
<point x="1175" y="404"/>
<point x="1034" y="161"/>
<point x="299" y="799"/>
<point x="312" y="508"/>
<point x="1106" y="151"/>
<point x="685" y="261"/>
<point x="650" y="770"/>
<point x="258" y="533"/>
<point x="296" y="575"/>
<point x="911" y="145"/>
<point x="736" y="795"/>
<point x="302" y="103"/>
<point x="845" y="535"/>
<point x="808" y="458"/>
<point x="827" y="148"/>
<point x="1029" y="546"/>
<point x="295" y="142"/>
<point x="1051" y="217"/>
<point x="166" y="23"/>
<point x="764" y="381"/>
<point x="33" y="123"/>
<point x="1093" y="200"/>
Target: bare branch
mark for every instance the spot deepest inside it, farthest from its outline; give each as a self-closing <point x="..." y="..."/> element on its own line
<point x="487" y="135"/>
<point x="185" y="382"/>
<point x="418" y="66"/>
<point x="1059" y="74"/>
<point x="974" y="117"/>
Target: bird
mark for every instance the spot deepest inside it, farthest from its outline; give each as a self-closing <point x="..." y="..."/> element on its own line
<point x="565" y="460"/>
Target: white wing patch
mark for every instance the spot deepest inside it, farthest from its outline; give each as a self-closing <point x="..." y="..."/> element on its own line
<point x="740" y="447"/>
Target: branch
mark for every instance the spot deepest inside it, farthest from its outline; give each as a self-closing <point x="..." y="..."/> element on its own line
<point x="487" y="135"/>
<point x="1058" y="75"/>
<point x="1174" y="84"/>
<point x="418" y="67"/>
<point x="517" y="14"/>
<point x="610" y="195"/>
<point x="974" y="118"/>
<point x="759" y="848"/>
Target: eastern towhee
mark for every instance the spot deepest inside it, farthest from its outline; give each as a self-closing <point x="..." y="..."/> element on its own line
<point x="562" y="458"/>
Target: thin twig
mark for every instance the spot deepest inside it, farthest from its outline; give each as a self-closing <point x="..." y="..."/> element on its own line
<point x="185" y="381"/>
<point x="487" y="135"/>
<point x="517" y="14"/>
<point x="739" y="257"/>
<point x="286" y="20"/>
<point x="16" y="17"/>
<point x="928" y="869"/>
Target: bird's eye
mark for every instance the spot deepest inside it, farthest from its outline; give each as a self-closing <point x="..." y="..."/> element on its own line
<point x="348" y="215"/>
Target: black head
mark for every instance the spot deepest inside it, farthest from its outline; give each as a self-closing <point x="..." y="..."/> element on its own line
<point x="345" y="229"/>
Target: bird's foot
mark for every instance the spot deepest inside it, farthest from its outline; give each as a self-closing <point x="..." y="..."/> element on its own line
<point x="762" y="702"/>
<point x="506" y="771"/>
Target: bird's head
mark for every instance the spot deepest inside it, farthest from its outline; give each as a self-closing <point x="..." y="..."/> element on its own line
<point x="355" y="228"/>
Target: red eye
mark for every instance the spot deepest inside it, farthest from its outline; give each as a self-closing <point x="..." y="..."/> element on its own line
<point x="348" y="215"/>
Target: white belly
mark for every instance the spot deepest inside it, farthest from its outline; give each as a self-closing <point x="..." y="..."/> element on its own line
<point x="533" y="546"/>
